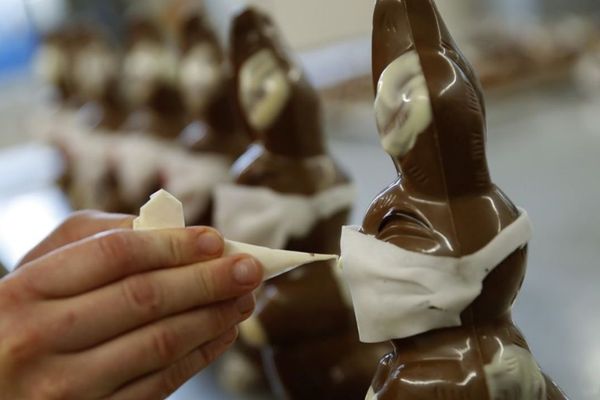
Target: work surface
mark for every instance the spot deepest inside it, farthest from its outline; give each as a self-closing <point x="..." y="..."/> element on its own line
<point x="543" y="150"/>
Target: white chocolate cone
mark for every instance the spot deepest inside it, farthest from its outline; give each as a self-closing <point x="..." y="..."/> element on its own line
<point x="165" y="211"/>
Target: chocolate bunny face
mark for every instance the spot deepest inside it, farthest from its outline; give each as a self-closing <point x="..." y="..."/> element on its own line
<point x="96" y="67"/>
<point x="148" y="65"/>
<point x="431" y="116"/>
<point x="201" y="69"/>
<point x="279" y="105"/>
<point x="265" y="76"/>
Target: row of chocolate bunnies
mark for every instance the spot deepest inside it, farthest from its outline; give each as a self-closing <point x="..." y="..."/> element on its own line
<point x="239" y="140"/>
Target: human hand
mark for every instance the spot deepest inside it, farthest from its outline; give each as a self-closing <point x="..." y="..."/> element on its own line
<point x="119" y="314"/>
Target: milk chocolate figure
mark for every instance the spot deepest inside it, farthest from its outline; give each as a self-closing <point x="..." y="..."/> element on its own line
<point x="303" y="326"/>
<point x="149" y="71"/>
<point x="431" y="116"/>
<point x="215" y="131"/>
<point x="156" y="113"/>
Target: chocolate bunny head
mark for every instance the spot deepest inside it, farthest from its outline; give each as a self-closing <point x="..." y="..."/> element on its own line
<point x="431" y="116"/>
<point x="96" y="66"/>
<point x="279" y="105"/>
<point x="201" y="67"/>
<point x="149" y="67"/>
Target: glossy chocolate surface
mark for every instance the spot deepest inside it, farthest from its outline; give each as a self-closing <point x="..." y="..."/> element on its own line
<point x="310" y="329"/>
<point x="297" y="132"/>
<point x="444" y="204"/>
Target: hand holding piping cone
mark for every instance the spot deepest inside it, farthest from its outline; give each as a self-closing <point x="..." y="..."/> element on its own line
<point x="164" y="211"/>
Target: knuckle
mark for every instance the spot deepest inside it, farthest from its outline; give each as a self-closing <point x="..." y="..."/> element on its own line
<point x="205" y="281"/>
<point x="176" y="376"/>
<point x="11" y="294"/>
<point x="142" y="295"/>
<point x="174" y="248"/>
<point x="18" y="350"/>
<point x="54" y="387"/>
<point x="223" y="318"/>
<point x="72" y="224"/>
<point x="165" y="344"/>
<point x="115" y="245"/>
<point x="206" y="354"/>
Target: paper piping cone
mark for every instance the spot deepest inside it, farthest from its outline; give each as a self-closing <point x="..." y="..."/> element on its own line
<point x="275" y="262"/>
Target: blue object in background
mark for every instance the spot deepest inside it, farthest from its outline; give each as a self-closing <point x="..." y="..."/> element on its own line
<point x="18" y="38"/>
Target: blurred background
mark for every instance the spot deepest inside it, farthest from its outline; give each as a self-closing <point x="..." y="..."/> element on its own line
<point x="539" y="61"/>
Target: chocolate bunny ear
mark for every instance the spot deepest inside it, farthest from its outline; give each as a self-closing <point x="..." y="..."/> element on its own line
<point x="252" y="31"/>
<point x="436" y="132"/>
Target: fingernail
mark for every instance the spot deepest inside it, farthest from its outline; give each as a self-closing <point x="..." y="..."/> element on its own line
<point x="245" y="304"/>
<point x="210" y="243"/>
<point x="246" y="272"/>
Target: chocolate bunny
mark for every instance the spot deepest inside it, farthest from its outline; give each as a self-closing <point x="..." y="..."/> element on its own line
<point x="460" y="243"/>
<point x="149" y="70"/>
<point x="96" y="67"/>
<point x="214" y="137"/>
<point x="299" y="199"/>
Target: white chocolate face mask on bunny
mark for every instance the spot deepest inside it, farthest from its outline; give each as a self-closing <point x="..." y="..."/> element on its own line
<point x="398" y="293"/>
<point x="264" y="217"/>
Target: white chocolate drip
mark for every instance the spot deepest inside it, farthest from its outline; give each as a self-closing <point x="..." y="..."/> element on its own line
<point x="371" y="394"/>
<point x="514" y="374"/>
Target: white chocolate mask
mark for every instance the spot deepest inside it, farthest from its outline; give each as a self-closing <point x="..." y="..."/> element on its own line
<point x="402" y="106"/>
<point x="94" y="68"/>
<point x="164" y="211"/>
<point x="261" y="216"/>
<point x="146" y="66"/>
<point x="398" y="293"/>
<point x="200" y="73"/>
<point x="51" y="63"/>
<point x="264" y="89"/>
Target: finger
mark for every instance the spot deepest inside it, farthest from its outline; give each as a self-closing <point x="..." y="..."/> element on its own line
<point x="161" y="384"/>
<point x="105" y="258"/>
<point x="79" y="225"/>
<point x="159" y="345"/>
<point x="144" y="298"/>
